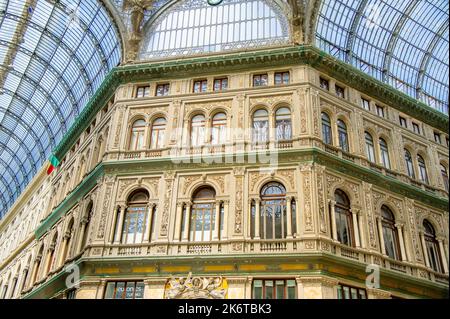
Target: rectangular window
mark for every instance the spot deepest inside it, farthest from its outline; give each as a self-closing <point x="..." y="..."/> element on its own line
<point x="380" y="111"/>
<point x="447" y="141"/>
<point x="220" y="84"/>
<point x="365" y="104"/>
<point x="162" y="89"/>
<point x="347" y="292"/>
<point x="282" y="78"/>
<point x="416" y="128"/>
<point x="143" y="91"/>
<point x="324" y="84"/>
<point x="124" y="290"/>
<point x="274" y="289"/>
<point x="200" y="86"/>
<point x="437" y="137"/>
<point x="71" y="294"/>
<point x="260" y="80"/>
<point x="403" y="122"/>
<point x="340" y="91"/>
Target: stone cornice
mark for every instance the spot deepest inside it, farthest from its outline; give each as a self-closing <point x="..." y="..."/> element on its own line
<point x="289" y="55"/>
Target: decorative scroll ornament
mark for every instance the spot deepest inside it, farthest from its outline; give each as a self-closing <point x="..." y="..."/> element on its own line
<point x="196" y="288"/>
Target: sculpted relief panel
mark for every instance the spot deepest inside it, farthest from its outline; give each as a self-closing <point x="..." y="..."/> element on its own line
<point x="196" y="288"/>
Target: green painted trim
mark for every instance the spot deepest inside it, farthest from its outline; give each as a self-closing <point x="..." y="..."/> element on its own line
<point x="85" y="187"/>
<point x="290" y="55"/>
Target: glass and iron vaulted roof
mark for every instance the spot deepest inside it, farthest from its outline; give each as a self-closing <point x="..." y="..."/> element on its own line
<point x="402" y="43"/>
<point x="53" y="57"/>
<point x="193" y="27"/>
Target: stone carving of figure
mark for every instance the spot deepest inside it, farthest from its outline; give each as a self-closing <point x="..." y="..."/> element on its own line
<point x="137" y="9"/>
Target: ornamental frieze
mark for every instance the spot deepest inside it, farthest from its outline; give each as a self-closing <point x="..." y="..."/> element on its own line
<point x="271" y="100"/>
<point x="307" y="202"/>
<point x="239" y="202"/>
<point x="208" y="106"/>
<point x="124" y="184"/>
<point x="321" y="199"/>
<point x="196" y="288"/>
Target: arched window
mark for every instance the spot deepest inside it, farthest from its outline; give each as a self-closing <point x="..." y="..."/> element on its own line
<point x="385" y="154"/>
<point x="422" y="169"/>
<point x="14" y="284"/>
<point x="158" y="132"/>
<point x="344" y="222"/>
<point x="327" y="135"/>
<point x="273" y="222"/>
<point x="134" y="223"/>
<point x="203" y="223"/>
<point x="444" y="175"/>
<point x="219" y="128"/>
<point x="198" y="130"/>
<point x="137" y="140"/>
<point x="343" y="136"/>
<point x="409" y="164"/>
<point x="390" y="234"/>
<point x="432" y="246"/>
<point x="194" y="27"/>
<point x="25" y="275"/>
<point x="51" y="253"/>
<point x="260" y="126"/>
<point x="370" y="148"/>
<point x="87" y="222"/>
<point x="67" y="244"/>
<point x="5" y="287"/>
<point x="283" y="124"/>
<point x="37" y="265"/>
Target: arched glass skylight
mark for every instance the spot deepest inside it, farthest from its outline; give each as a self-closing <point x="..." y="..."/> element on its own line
<point x="194" y="27"/>
<point x="54" y="55"/>
<point x="402" y="43"/>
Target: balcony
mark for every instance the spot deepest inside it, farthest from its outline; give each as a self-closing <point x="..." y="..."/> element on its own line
<point x="267" y="247"/>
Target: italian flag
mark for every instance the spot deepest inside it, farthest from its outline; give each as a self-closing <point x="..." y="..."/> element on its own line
<point x="54" y="163"/>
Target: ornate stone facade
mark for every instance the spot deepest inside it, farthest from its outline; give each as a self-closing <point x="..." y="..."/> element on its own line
<point x="309" y="170"/>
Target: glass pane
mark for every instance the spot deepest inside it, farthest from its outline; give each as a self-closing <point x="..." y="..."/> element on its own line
<point x="120" y="290"/>
<point x="269" y="289"/>
<point x="109" y="294"/>
<point x="139" y="293"/>
<point x="130" y="291"/>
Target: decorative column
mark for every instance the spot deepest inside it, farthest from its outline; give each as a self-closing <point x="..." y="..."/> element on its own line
<point x="361" y="232"/>
<point x="146" y="135"/>
<point x="186" y="222"/>
<point x="424" y="247"/>
<point x="333" y="219"/>
<point x="257" y="218"/>
<point x="289" y="217"/>
<point x="113" y="226"/>
<point x="226" y="207"/>
<point x="48" y="259"/>
<point x="148" y="231"/>
<point x="118" y="238"/>
<point x="217" y="221"/>
<point x="179" y="219"/>
<point x="380" y="234"/>
<point x="402" y="241"/>
<point x="443" y="257"/>
<point x="356" y="226"/>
